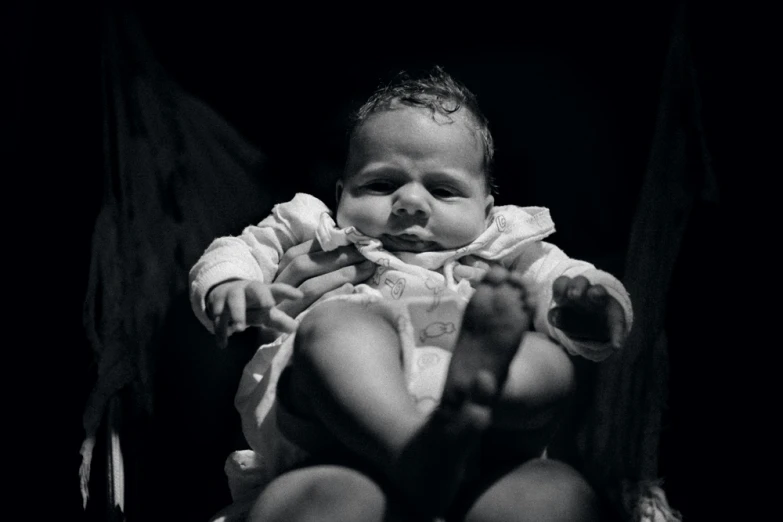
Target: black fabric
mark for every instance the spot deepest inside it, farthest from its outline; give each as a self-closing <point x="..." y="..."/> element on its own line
<point x="51" y="161"/>
<point x="176" y="176"/>
<point x="620" y="433"/>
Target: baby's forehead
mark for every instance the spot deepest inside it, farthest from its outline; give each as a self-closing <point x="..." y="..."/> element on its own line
<point x="414" y="121"/>
<point x="411" y="136"/>
<point x="439" y="109"/>
<point x="418" y="132"/>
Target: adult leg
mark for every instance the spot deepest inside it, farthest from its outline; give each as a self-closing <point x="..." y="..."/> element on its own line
<point x="538" y="491"/>
<point x="321" y="493"/>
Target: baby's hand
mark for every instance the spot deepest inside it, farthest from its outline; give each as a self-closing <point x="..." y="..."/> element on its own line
<point x="235" y="305"/>
<point x="586" y="312"/>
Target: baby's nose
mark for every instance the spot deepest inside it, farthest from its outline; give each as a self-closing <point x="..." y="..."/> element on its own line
<point x="411" y="200"/>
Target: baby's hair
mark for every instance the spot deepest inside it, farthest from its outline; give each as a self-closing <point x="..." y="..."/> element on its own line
<point x="437" y="91"/>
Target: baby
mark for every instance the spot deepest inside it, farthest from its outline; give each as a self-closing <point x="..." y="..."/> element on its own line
<point x="418" y="392"/>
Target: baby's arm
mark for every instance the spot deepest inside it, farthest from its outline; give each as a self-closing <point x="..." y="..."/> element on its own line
<point x="586" y="310"/>
<point x="254" y="255"/>
<point x="234" y="305"/>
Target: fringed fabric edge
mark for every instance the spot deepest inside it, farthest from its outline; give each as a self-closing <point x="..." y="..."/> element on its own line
<point x="646" y="501"/>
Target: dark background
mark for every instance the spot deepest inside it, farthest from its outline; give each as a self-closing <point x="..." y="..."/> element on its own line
<point x="583" y="80"/>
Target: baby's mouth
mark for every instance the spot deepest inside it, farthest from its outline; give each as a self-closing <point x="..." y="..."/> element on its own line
<point x="408" y="243"/>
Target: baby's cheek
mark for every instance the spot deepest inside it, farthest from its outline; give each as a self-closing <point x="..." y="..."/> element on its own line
<point x="465" y="231"/>
<point x="363" y="217"/>
<point x="345" y="214"/>
<point x="471" y="233"/>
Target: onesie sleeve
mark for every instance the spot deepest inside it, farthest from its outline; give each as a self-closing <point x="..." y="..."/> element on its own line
<point x="540" y="264"/>
<point x="255" y="254"/>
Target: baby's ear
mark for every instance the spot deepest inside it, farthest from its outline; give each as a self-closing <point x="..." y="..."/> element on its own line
<point x="338" y="191"/>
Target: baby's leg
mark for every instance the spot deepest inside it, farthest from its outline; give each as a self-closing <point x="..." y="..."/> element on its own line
<point x="321" y="493"/>
<point x="540" y="382"/>
<point x="348" y="374"/>
<point x="538" y="491"/>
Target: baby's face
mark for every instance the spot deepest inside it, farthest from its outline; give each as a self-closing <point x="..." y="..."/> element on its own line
<point x="414" y="182"/>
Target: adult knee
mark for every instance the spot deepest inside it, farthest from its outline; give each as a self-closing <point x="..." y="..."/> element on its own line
<point x="557" y="492"/>
<point x="541" y="491"/>
<point x="321" y="494"/>
<point x="348" y="488"/>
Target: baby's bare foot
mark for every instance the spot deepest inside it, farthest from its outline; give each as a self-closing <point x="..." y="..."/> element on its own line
<point x="491" y="333"/>
<point x="432" y="466"/>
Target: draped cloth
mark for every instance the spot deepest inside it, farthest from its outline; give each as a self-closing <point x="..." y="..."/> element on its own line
<point x="620" y="427"/>
<point x="176" y="176"/>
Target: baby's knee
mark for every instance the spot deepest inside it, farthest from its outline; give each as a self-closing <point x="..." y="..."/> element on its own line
<point x="323" y="322"/>
<point x="335" y="324"/>
<point x="319" y="319"/>
<point x="541" y="377"/>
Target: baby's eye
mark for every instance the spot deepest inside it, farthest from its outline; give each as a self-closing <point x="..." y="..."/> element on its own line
<point x="380" y="186"/>
<point x="443" y="192"/>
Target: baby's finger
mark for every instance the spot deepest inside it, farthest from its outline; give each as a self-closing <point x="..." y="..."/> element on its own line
<point x="221" y="329"/>
<point x="266" y="299"/>
<point x="235" y="306"/>
<point x="280" y="321"/>
<point x="214" y="309"/>
<point x="214" y="303"/>
<point x="471" y="268"/>
<point x="516" y="279"/>
<point x="468" y="272"/>
<point x="577" y="288"/>
<point x="560" y="288"/>
<point x="471" y="273"/>
<point x="597" y="294"/>
<point x="259" y="295"/>
<point x="476" y="262"/>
